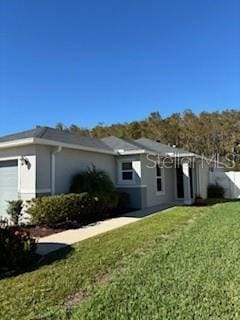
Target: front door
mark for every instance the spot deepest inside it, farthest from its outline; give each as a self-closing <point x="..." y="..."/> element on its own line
<point x="180" y="188"/>
<point x="180" y="185"/>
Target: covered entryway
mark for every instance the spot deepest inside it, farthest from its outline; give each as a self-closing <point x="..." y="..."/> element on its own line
<point x="8" y="183"/>
<point x="180" y="181"/>
<point x="185" y="182"/>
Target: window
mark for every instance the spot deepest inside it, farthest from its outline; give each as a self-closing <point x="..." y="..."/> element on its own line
<point x="126" y="171"/>
<point x="159" y="178"/>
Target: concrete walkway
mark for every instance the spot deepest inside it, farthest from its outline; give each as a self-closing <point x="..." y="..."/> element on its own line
<point x="66" y="238"/>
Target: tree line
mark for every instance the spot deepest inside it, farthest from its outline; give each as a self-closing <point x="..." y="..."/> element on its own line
<point x="208" y="133"/>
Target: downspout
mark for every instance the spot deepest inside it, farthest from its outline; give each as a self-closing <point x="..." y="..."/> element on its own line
<point x="53" y="168"/>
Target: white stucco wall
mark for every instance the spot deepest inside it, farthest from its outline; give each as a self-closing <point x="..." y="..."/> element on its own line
<point x="70" y="162"/>
<point x="43" y="173"/>
<point x="37" y="179"/>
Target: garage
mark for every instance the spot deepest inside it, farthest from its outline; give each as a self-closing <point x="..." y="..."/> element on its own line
<point x="8" y="183"/>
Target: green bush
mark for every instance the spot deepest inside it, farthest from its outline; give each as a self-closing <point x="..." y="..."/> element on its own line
<point x="52" y="210"/>
<point x="215" y="191"/>
<point x="17" y="248"/>
<point x="15" y="210"/>
<point x="124" y="200"/>
<point x="99" y="185"/>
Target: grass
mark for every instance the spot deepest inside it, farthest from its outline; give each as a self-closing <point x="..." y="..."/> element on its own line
<point x="181" y="264"/>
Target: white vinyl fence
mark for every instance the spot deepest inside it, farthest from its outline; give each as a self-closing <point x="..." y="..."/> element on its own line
<point x="230" y="181"/>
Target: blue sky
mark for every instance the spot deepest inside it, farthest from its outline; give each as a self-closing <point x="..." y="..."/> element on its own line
<point x="86" y="62"/>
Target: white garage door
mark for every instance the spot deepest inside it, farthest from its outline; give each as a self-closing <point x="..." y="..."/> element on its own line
<point x="8" y="183"/>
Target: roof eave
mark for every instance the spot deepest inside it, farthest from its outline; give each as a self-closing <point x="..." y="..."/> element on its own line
<point x="132" y="152"/>
<point x="181" y="155"/>
<point x="16" y="143"/>
<point x="71" y="146"/>
<point x="40" y="141"/>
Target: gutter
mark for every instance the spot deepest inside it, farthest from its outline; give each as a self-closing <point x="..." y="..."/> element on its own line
<point x="16" y="143"/>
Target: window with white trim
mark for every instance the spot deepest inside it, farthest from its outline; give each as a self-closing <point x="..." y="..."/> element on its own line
<point x="126" y="171"/>
<point x="159" y="178"/>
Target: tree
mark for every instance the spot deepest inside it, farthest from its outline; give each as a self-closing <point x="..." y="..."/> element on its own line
<point x="207" y="133"/>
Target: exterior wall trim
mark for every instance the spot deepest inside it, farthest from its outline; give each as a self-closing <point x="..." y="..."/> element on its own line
<point x="43" y="190"/>
<point x="122" y="186"/>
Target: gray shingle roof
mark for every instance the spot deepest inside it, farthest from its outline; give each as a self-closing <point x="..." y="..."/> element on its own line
<point x="108" y="144"/>
<point x="121" y="144"/>
<point x="58" y="136"/>
<point x="33" y="133"/>
<point x="142" y="144"/>
<point x="160" y="147"/>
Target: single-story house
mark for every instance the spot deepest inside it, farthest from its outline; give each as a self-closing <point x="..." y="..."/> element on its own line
<point x="43" y="161"/>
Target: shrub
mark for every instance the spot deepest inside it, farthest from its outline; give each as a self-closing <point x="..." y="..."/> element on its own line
<point x="199" y="201"/>
<point x="98" y="184"/>
<point x="215" y="191"/>
<point x="17" y="248"/>
<point x="15" y="210"/>
<point x="52" y="210"/>
<point x="124" y="200"/>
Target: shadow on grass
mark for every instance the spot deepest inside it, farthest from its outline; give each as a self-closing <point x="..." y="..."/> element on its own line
<point x="62" y="252"/>
<point x="38" y="261"/>
<point x="136" y="213"/>
<point x="213" y="201"/>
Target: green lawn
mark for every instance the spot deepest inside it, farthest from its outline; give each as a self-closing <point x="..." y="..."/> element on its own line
<point x="181" y="264"/>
